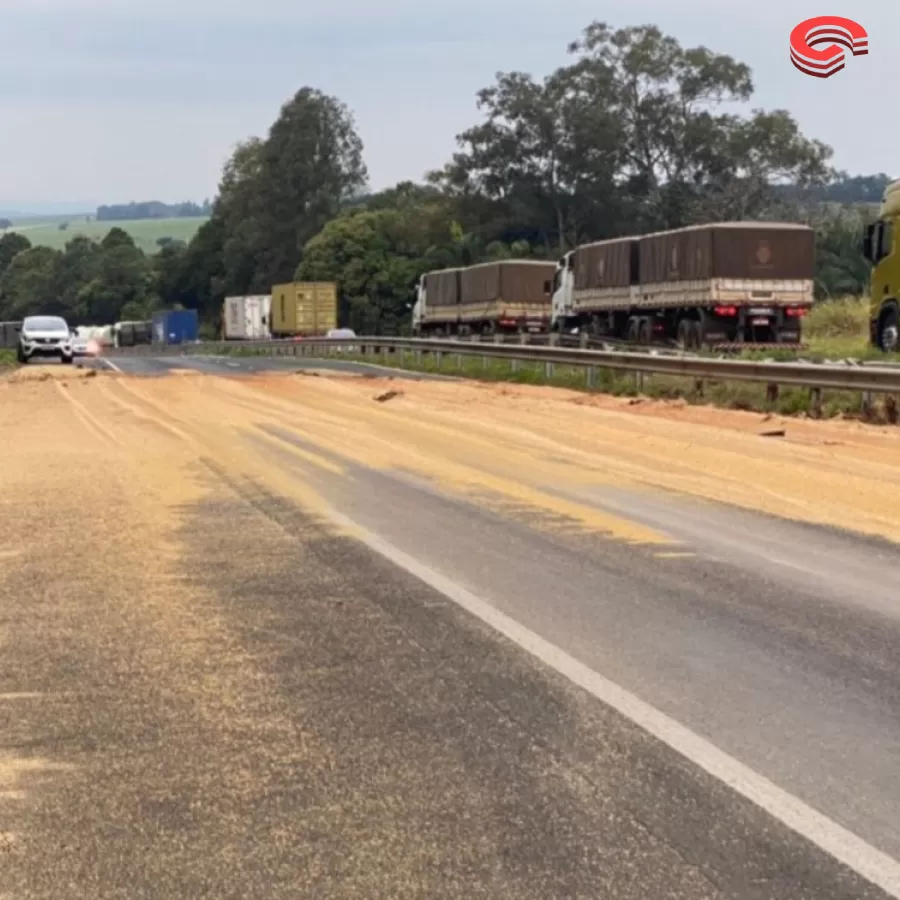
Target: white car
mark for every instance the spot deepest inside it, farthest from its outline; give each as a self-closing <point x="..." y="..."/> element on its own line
<point x="44" y="336"/>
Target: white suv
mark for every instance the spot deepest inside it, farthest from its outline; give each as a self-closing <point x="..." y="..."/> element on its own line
<point x="45" y="336"/>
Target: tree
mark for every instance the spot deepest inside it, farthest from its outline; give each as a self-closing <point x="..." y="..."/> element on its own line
<point x="10" y="246"/>
<point x="376" y="257"/>
<point x="841" y="269"/>
<point x="546" y="157"/>
<point x="279" y="192"/>
<point x="76" y="266"/>
<point x="29" y="285"/>
<point x="630" y="136"/>
<point x="194" y="276"/>
<point x="117" y="237"/>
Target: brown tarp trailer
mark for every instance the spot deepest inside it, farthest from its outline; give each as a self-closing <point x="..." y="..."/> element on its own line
<point x="512" y="282"/>
<point x="606" y="264"/>
<point x="442" y="288"/>
<point x="734" y="250"/>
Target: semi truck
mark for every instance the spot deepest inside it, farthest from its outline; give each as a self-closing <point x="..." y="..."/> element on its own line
<point x="719" y="284"/>
<point x="490" y="298"/>
<point x="247" y="318"/>
<point x="304" y="309"/>
<point x="879" y="248"/>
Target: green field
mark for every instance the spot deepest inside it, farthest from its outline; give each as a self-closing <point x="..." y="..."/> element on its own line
<point x="45" y="230"/>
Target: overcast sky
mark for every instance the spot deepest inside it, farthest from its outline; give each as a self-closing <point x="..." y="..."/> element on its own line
<point x="105" y="101"/>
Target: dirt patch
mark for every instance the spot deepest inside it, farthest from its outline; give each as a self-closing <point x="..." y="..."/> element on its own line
<point x="31" y="374"/>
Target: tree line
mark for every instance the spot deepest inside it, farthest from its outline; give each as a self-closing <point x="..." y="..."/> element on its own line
<point x="152" y="209"/>
<point x="635" y="133"/>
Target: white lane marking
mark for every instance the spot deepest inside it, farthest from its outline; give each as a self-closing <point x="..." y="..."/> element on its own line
<point x="855" y="853"/>
<point x="111" y="364"/>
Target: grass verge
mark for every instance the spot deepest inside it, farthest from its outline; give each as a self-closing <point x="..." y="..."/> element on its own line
<point x="7" y="359"/>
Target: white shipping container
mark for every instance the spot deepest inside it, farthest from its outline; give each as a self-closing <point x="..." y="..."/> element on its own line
<point x="247" y="318"/>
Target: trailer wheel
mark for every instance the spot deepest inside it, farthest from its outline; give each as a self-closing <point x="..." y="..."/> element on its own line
<point x="632" y="334"/>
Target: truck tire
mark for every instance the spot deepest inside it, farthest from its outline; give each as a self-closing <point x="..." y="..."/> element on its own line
<point x="889" y="329"/>
<point x="696" y="333"/>
<point x="20" y="356"/>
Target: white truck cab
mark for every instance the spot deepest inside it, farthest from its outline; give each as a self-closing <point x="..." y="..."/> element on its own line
<point x="563" y="290"/>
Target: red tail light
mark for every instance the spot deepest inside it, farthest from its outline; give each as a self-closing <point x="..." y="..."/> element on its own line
<point x="797" y="312"/>
<point x="725" y="310"/>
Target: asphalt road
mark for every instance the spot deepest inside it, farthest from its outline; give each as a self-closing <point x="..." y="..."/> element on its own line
<point x="246" y="653"/>
<point x="233" y="365"/>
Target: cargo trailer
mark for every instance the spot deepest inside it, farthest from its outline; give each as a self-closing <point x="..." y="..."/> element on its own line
<point x="509" y="296"/>
<point x="721" y="284"/>
<point x="176" y="326"/>
<point x="247" y="318"/>
<point x="304" y="309"/>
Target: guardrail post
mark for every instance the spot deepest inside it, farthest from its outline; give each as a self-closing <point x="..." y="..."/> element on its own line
<point x="772" y="393"/>
<point x="639" y="381"/>
<point x="549" y="368"/>
<point x="591" y="377"/>
<point x="583" y="340"/>
<point x="699" y="387"/>
<point x="815" y="402"/>
<point x="867" y="405"/>
<point x="890" y="408"/>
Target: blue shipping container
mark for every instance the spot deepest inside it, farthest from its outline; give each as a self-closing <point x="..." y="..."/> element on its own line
<point x="175" y="326"/>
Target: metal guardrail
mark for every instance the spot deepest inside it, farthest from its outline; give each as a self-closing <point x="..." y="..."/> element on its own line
<point x="815" y="376"/>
